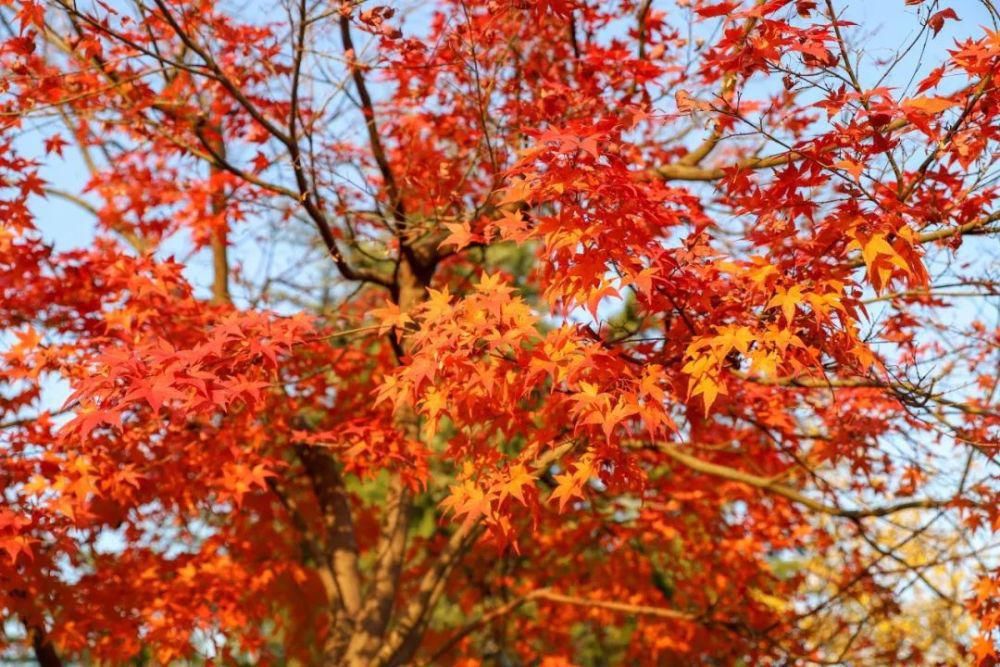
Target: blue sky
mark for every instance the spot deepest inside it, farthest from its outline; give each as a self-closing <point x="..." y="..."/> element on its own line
<point x="66" y="225"/>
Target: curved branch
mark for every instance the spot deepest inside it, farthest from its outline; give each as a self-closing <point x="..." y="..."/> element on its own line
<point x="684" y="170"/>
<point x="622" y="607"/>
<point x="765" y="484"/>
<point x="368" y="109"/>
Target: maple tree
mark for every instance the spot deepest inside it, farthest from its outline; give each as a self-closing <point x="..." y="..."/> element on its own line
<point x="531" y="332"/>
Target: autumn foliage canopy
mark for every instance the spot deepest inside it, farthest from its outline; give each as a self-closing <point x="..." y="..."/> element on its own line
<point x="501" y="332"/>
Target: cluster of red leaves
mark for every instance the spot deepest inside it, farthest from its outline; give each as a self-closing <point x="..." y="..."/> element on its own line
<point x="665" y="463"/>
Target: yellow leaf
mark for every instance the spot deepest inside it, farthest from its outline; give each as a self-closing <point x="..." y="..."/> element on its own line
<point x="851" y="167"/>
<point x="514" y="486"/>
<point x="459" y="235"/>
<point x="569" y="485"/>
<point x="929" y="104"/>
<point x="390" y="316"/>
<point x="876" y="245"/>
<point x="518" y="191"/>
<point x="762" y="273"/>
<point x="764" y="364"/>
<point x="769" y="600"/>
<point x="438" y="303"/>
<point x="709" y="390"/>
<point x="734" y="337"/>
<point x="787" y="300"/>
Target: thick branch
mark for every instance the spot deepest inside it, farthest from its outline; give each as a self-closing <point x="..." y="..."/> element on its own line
<point x="682" y="170"/>
<point x="45" y="652"/>
<point x="377" y="609"/>
<point x="700" y="152"/>
<point x="342" y="547"/>
<point x="220" y="231"/>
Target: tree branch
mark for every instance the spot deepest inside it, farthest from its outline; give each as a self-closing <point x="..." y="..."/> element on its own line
<point x="45" y="652"/>
<point x="765" y="484"/>
<point x="429" y="590"/>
